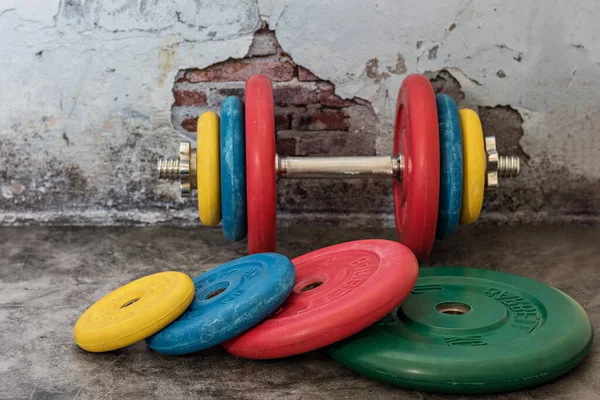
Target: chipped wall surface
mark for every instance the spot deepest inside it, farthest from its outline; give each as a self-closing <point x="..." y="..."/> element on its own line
<point x="89" y="97"/>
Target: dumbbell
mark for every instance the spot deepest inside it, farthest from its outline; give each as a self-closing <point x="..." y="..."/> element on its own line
<point x="441" y="166"/>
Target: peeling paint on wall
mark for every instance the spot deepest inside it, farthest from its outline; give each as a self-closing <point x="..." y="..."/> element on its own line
<point x="86" y="98"/>
<point x="88" y="103"/>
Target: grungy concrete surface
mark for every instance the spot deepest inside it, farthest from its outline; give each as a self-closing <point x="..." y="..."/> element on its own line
<point x="87" y="103"/>
<point x="48" y="276"/>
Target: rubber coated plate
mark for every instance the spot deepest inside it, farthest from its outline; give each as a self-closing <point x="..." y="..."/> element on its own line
<point x="260" y="165"/>
<point x="416" y="136"/>
<point x="229" y="300"/>
<point x="233" y="169"/>
<point x="134" y="311"/>
<point x="208" y="171"/>
<point x="451" y="164"/>
<point x="339" y="291"/>
<point x="466" y="330"/>
<point x="474" y="166"/>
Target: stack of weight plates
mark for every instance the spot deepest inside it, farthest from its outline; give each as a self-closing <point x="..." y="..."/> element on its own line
<point x="454" y="330"/>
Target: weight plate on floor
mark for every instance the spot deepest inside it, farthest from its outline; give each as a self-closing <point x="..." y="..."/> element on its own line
<point x="465" y="330"/>
<point x="260" y="165"/>
<point x="134" y="311"/>
<point x="208" y="171"/>
<point x="474" y="166"/>
<point x="451" y="167"/>
<point x="233" y="169"/>
<point x="229" y="299"/>
<point x="416" y="197"/>
<point x="339" y="291"/>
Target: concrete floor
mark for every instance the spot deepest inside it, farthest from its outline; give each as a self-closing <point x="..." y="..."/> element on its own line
<point x="48" y="276"/>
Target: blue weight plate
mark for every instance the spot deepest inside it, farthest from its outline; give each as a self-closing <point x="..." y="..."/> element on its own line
<point x="233" y="169"/>
<point x="451" y="167"/>
<point x="229" y="300"/>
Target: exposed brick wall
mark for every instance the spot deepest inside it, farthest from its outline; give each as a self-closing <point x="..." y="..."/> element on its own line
<point x="310" y="118"/>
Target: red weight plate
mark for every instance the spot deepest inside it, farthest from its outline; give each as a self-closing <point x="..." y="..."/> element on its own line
<point x="416" y="136"/>
<point x="339" y="291"/>
<point x="260" y="165"/>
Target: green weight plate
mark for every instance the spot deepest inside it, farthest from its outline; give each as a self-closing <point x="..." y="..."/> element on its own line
<point x="465" y="330"/>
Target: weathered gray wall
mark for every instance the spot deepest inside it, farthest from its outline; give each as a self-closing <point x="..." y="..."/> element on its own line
<point x="87" y="102"/>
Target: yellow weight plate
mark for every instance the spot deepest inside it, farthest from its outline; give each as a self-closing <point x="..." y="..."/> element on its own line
<point x="474" y="166"/>
<point x="208" y="169"/>
<point x="134" y="311"/>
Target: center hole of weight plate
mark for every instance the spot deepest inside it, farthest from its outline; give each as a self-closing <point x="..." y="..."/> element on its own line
<point x="311" y="286"/>
<point x="130" y="302"/>
<point x="453" y="308"/>
<point x="215" y="293"/>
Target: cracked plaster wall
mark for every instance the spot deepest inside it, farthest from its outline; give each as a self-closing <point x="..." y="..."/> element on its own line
<point x="86" y="92"/>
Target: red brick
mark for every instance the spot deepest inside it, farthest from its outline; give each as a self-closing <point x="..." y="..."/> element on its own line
<point x="306" y="75"/>
<point x="184" y="98"/>
<point x="190" y="124"/>
<point x="241" y="70"/>
<point x="322" y="120"/>
<point x="322" y="143"/>
<point x="294" y="95"/>
<point x="216" y="97"/>
<point x="286" y="146"/>
<point x="328" y="98"/>
<point x="282" y="121"/>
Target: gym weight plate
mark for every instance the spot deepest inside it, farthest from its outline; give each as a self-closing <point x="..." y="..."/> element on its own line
<point x="474" y="166"/>
<point x="208" y="171"/>
<point x="465" y="330"/>
<point x="229" y="299"/>
<point x="134" y="311"/>
<point x="416" y="198"/>
<point x="451" y="167"/>
<point x="339" y="290"/>
<point x="260" y="165"/>
<point x="233" y="169"/>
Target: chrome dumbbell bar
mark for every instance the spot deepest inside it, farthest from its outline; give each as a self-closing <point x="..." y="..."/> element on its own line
<point x="184" y="168"/>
